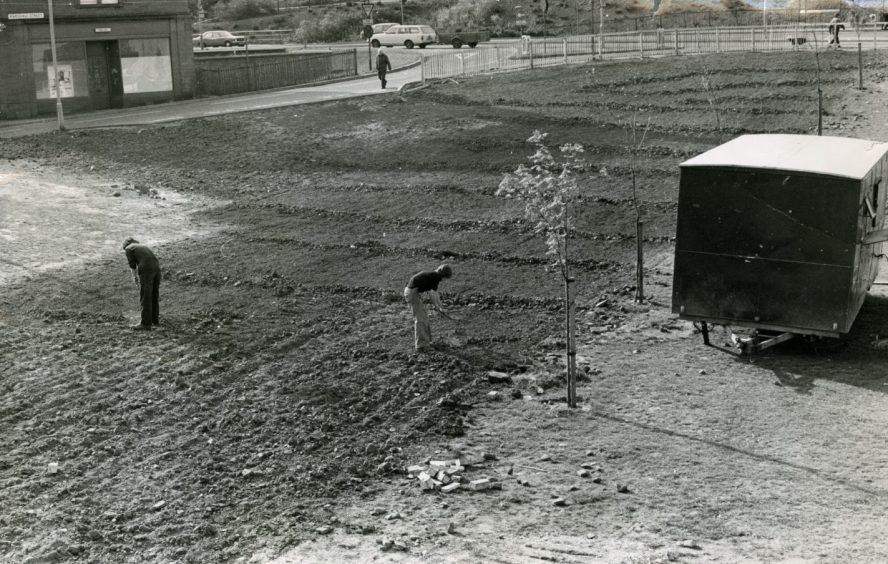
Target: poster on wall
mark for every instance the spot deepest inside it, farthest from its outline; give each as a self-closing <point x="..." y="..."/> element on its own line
<point x="66" y="81"/>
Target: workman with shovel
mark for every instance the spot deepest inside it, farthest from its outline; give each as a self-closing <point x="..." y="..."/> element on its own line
<point x="146" y="275"/>
<point x="425" y="282"/>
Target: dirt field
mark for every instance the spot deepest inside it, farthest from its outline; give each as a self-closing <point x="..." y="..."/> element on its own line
<point x="273" y="414"/>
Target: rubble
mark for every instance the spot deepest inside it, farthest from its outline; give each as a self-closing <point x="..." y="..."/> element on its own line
<point x="495" y="377"/>
<point x="447" y="476"/>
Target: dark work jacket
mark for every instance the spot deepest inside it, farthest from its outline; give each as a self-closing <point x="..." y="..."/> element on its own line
<point x="382" y="62"/>
<point x="141" y="258"/>
<point x="425" y="281"/>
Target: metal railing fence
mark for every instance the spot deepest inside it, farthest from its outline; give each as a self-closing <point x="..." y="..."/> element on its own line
<point x="534" y="52"/>
<point x="232" y="75"/>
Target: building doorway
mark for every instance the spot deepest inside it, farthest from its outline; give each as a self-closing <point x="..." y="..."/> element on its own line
<point x="103" y="70"/>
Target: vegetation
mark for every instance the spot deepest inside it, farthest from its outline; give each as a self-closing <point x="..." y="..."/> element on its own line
<point x="325" y="20"/>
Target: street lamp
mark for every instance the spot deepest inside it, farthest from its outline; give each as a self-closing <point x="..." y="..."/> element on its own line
<point x="55" y="69"/>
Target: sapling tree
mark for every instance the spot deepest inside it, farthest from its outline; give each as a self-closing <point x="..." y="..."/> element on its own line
<point x="549" y="189"/>
<point x="639" y="224"/>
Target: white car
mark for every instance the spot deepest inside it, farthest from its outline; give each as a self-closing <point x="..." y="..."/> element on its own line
<point x="406" y="35"/>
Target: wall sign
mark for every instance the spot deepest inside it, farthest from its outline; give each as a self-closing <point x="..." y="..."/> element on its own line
<point x="103" y="30"/>
<point x="26" y="16"/>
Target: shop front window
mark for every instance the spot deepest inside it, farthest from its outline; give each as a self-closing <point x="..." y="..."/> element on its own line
<point x="145" y="64"/>
<point x="72" y="77"/>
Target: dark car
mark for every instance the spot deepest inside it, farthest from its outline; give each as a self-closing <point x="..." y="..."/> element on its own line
<point x="219" y="39"/>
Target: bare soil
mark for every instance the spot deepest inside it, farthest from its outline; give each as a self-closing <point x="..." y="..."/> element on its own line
<point x="281" y="393"/>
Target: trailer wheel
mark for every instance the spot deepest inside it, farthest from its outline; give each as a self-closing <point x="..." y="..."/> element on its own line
<point x="473" y="44"/>
<point x="375" y="44"/>
<point x="408" y="44"/>
<point x="456" y="42"/>
<point x="422" y="45"/>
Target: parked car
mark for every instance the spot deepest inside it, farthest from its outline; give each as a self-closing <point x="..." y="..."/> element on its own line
<point x="219" y="38"/>
<point x="406" y="35"/>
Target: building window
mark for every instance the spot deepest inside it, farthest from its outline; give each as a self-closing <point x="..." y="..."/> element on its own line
<point x="145" y="64"/>
<point x="99" y="2"/>
<point x="72" y="75"/>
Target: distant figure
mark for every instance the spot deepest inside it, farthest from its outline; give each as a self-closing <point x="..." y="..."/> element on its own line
<point x="425" y="282"/>
<point x="383" y="65"/>
<point x="834" y="27"/>
<point x="146" y="275"/>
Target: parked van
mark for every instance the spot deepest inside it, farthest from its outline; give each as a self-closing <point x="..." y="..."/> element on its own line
<point x="406" y="35"/>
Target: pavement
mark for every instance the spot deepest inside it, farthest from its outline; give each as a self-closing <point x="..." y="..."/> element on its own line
<point x="218" y="105"/>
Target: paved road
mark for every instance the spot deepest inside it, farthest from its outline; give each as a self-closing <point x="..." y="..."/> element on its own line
<point x="174" y="111"/>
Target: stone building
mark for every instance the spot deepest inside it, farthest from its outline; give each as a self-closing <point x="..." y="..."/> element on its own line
<point x="110" y="54"/>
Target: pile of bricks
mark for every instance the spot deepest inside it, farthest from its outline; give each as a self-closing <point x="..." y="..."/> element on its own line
<point x="447" y="476"/>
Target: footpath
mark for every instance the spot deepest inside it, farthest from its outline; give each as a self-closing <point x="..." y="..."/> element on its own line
<point x="211" y="106"/>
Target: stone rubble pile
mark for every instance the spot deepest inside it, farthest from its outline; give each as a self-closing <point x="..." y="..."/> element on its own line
<point x="447" y="476"/>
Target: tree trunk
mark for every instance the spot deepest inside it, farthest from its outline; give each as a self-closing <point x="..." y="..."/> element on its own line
<point x="570" y="304"/>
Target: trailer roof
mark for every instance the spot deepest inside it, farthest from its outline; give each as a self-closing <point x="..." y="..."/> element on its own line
<point x="833" y="156"/>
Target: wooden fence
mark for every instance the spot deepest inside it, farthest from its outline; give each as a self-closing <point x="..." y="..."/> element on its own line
<point x="231" y="75"/>
<point x="529" y="53"/>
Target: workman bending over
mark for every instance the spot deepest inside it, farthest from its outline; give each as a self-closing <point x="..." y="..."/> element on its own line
<point x="146" y="275"/>
<point x="425" y="282"/>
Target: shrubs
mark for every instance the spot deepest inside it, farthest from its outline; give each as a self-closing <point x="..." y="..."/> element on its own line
<point x="243" y="9"/>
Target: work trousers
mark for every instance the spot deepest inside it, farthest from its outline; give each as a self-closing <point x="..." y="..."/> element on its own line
<point x="422" y="330"/>
<point x="381" y="74"/>
<point x="149" y="295"/>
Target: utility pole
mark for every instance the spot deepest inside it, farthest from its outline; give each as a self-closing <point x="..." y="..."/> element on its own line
<point x="55" y="69"/>
<point x="601" y="17"/>
<point x="402" y="12"/>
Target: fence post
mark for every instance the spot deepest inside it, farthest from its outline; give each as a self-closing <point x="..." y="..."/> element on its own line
<point x="564" y="46"/>
<point x="530" y="50"/>
<point x="697" y="39"/>
<point x="641" y="44"/>
<point x="675" y="38"/>
<point x="354" y="62"/>
<point x="422" y="68"/>
<point x="498" y="63"/>
<point x="600" y="42"/>
<point x="859" y="67"/>
<point x="717" y="41"/>
<point x="753" y="40"/>
<point x="462" y="65"/>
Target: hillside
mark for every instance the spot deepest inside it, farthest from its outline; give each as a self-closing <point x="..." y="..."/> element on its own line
<point x="325" y="21"/>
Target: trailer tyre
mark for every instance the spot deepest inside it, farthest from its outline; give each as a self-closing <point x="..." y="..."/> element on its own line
<point x="473" y="44"/>
<point x="456" y="42"/>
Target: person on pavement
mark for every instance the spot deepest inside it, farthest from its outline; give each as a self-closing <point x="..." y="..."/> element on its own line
<point x="834" y="27"/>
<point x="383" y="65"/>
<point x="425" y="282"/>
<point x="146" y="275"/>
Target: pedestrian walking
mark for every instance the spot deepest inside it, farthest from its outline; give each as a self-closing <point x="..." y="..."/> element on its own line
<point x="425" y="282"/>
<point x="146" y="275"/>
<point x="383" y="65"/>
<point x="834" y="27"/>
